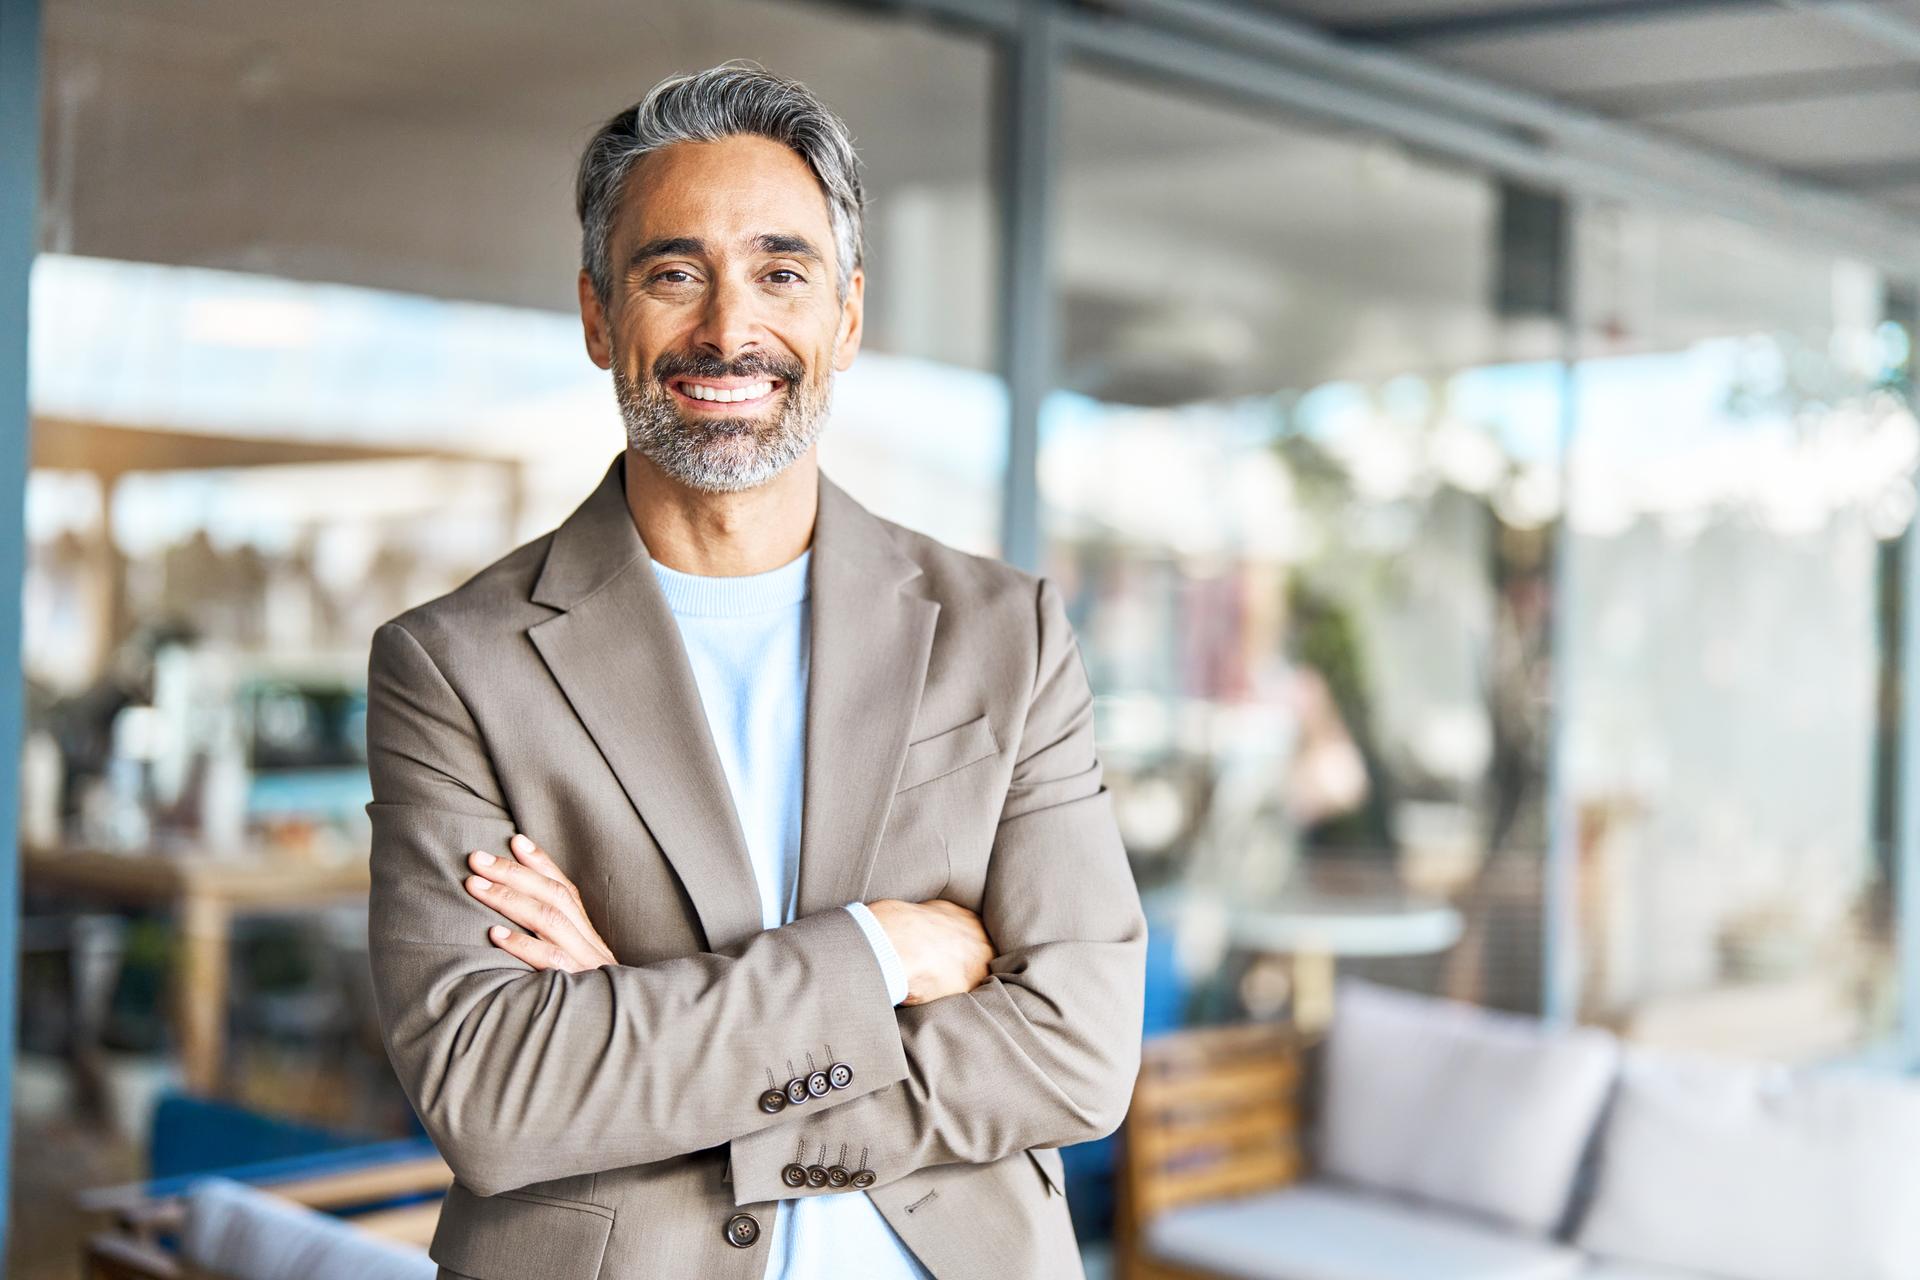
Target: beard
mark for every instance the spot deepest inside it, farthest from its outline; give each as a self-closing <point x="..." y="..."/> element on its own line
<point x="717" y="454"/>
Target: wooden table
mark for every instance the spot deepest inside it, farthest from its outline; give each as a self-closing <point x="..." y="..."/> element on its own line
<point x="205" y="894"/>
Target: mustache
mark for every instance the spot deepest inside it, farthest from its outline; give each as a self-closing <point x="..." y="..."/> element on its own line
<point x="678" y="365"/>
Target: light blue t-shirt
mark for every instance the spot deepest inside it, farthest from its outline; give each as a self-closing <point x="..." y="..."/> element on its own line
<point x="747" y="640"/>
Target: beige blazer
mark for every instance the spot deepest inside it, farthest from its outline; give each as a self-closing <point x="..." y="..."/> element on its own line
<point x="633" y="1122"/>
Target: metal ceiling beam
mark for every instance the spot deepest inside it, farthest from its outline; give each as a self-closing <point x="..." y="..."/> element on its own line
<point x="1867" y="175"/>
<point x="1482" y="22"/>
<point x="1883" y="26"/>
<point x="1271" y="60"/>
<point x="1267" y="60"/>
<point x="1643" y="100"/>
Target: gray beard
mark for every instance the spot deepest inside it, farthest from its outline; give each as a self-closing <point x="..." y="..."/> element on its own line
<point x="721" y="455"/>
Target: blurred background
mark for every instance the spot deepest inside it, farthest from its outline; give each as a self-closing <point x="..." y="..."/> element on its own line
<point x="1475" y="439"/>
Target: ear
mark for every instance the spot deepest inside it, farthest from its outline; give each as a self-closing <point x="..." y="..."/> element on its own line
<point x="593" y="324"/>
<point x="851" y="314"/>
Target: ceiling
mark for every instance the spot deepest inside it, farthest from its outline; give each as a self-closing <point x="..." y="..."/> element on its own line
<point x="428" y="147"/>
<point x="1823" y="90"/>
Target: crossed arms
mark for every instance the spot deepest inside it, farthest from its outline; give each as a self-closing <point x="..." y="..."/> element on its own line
<point x="522" y="1074"/>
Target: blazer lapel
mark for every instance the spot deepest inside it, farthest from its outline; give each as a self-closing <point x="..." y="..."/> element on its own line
<point x="870" y="639"/>
<point x="617" y="654"/>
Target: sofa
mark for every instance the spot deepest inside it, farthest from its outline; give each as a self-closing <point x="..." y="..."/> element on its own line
<point x="1455" y="1143"/>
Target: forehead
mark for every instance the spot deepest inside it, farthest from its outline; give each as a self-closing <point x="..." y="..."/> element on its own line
<point x="724" y="192"/>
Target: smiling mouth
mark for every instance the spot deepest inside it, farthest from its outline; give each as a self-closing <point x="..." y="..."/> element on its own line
<point x="727" y="395"/>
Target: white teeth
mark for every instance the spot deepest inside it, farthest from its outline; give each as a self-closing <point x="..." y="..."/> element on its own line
<point x="752" y="391"/>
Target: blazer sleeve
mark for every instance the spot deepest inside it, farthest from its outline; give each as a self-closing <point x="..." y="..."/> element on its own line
<point x="1045" y="1052"/>
<point x="522" y="1075"/>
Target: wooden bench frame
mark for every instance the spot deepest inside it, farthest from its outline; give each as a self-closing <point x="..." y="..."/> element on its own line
<point x="1217" y="1112"/>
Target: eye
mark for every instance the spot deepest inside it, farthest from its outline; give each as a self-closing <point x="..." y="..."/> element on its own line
<point x="661" y="277"/>
<point x="784" y="271"/>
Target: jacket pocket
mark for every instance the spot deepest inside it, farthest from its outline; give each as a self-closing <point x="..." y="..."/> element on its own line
<point x="1052" y="1168"/>
<point x="519" y="1234"/>
<point x="947" y="751"/>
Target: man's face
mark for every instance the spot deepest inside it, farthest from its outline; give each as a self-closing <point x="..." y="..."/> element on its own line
<point x="723" y="327"/>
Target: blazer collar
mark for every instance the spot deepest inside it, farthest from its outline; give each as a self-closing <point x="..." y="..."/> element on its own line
<point x="616" y="651"/>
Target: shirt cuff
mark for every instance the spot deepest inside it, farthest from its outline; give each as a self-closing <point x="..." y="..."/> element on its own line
<point x="890" y="965"/>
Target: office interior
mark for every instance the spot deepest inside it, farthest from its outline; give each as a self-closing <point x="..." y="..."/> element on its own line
<point x="1475" y="441"/>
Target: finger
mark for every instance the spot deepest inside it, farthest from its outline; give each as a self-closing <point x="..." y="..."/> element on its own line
<point x="536" y="914"/>
<point x="539" y="954"/>
<point x="969" y="927"/>
<point x="528" y="880"/>
<point x="955" y="911"/>
<point x="578" y="933"/>
<point x="529" y="852"/>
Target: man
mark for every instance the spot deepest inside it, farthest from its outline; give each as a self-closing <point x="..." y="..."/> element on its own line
<point x="746" y="898"/>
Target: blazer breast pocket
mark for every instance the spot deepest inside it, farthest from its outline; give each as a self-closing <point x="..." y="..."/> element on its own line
<point x="946" y="752"/>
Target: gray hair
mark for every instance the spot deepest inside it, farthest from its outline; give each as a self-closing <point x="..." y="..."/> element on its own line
<point x="737" y="97"/>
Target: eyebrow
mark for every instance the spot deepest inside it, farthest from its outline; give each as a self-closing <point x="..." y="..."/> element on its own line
<point x="784" y="243"/>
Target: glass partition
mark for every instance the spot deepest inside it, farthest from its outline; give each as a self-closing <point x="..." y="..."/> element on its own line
<point x="1742" y="470"/>
<point x="1298" y="482"/>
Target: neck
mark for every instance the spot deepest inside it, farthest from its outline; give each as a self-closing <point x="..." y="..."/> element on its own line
<point x="723" y="535"/>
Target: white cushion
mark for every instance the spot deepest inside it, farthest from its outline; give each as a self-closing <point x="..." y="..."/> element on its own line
<point x="1483" y="1111"/>
<point x="236" y="1230"/>
<point x="1322" y="1232"/>
<point x="1759" y="1173"/>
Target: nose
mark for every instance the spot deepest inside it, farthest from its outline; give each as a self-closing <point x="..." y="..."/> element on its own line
<point x="729" y="322"/>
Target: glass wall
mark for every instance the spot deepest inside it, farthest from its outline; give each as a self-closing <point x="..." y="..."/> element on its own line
<point x="1742" y="469"/>
<point x="1298" y="480"/>
<point x="1303" y="477"/>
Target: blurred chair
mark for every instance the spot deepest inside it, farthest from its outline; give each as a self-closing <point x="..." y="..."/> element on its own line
<point x="202" y="1135"/>
<point x="365" y="1214"/>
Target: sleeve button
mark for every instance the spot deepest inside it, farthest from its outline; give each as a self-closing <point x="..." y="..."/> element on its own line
<point x="838" y="1177"/>
<point x="773" y="1101"/>
<point x="794" y="1175"/>
<point x="797" y="1092"/>
<point x="839" y="1075"/>
<point x="864" y="1179"/>
<point x="816" y="1176"/>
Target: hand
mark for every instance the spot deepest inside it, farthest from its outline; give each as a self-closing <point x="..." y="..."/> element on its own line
<point x="531" y="891"/>
<point x="943" y="945"/>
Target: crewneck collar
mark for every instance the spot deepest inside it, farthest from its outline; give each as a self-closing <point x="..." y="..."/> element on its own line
<point x="699" y="596"/>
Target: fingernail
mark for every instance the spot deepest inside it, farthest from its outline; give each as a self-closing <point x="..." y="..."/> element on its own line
<point x="498" y="932"/>
<point x="483" y="858"/>
<point x="481" y="884"/>
<point x="521" y="844"/>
